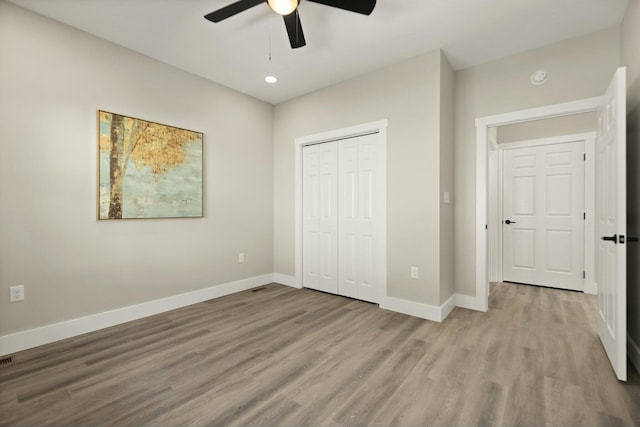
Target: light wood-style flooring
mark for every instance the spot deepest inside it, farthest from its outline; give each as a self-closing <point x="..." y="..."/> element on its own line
<point x="285" y="357"/>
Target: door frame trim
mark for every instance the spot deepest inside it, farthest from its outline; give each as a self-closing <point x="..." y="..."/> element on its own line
<point x="589" y="285"/>
<point x="482" y="195"/>
<point x="379" y="127"/>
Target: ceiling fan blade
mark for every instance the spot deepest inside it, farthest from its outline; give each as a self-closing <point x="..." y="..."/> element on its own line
<point x="232" y="9"/>
<point x="294" y="29"/>
<point x="364" y="7"/>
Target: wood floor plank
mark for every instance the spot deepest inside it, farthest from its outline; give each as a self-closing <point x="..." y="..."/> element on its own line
<point x="270" y="413"/>
<point x="252" y="399"/>
<point x="565" y="404"/>
<point x="415" y="401"/>
<point x="525" y="404"/>
<point x="444" y="397"/>
<point x="286" y="357"/>
<point x="361" y="408"/>
<point x="486" y="406"/>
<point x="36" y="411"/>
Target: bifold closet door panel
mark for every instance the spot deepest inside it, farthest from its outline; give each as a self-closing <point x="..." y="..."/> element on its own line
<point x="348" y="217"/>
<point x="320" y="222"/>
<point x="371" y="218"/>
<point x="360" y="216"/>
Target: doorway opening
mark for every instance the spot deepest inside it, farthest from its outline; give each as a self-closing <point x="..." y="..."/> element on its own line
<point x="483" y="133"/>
<point x="611" y="219"/>
<point x="541" y="209"/>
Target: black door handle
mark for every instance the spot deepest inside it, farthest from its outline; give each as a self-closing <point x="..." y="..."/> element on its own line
<point x="613" y="238"/>
<point x="632" y="239"/>
<point x="509" y="222"/>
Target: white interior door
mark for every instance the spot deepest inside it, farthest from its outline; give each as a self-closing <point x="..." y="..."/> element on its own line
<point x="361" y="213"/>
<point x="543" y="213"/>
<point x="611" y="224"/>
<point x="320" y="217"/>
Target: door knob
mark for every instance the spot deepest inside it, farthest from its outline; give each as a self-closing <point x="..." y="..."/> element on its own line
<point x="509" y="222"/>
<point x="613" y="238"/>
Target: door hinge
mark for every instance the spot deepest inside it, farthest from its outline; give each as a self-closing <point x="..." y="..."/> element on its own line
<point x="585" y="157"/>
<point x="584" y="274"/>
<point x="585" y="215"/>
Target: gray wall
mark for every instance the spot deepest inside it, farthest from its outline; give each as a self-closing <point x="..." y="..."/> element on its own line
<point x="630" y="56"/>
<point x="447" y="219"/>
<point x="579" y="68"/>
<point x="52" y="80"/>
<point x="407" y="94"/>
<point x="567" y="125"/>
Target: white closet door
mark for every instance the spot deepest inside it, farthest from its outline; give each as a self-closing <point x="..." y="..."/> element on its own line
<point x="371" y="218"/>
<point x="361" y="218"/>
<point x="320" y="224"/>
<point x="348" y="218"/>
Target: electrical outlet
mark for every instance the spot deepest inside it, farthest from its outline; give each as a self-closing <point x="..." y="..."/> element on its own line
<point x="414" y="272"/>
<point x="241" y="257"/>
<point x="16" y="293"/>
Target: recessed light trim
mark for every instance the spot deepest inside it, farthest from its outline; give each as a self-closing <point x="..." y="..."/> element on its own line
<point x="271" y="79"/>
<point x="539" y="77"/>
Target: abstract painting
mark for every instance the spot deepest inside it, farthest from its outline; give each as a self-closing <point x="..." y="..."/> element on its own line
<point x="147" y="170"/>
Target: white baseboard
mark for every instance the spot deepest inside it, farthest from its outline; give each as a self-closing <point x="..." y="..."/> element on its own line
<point x="591" y="288"/>
<point x="448" y="306"/>
<point x="417" y="309"/>
<point x="468" y="302"/>
<point x="58" y="331"/>
<point x="633" y="350"/>
<point x="19" y="341"/>
<point x="285" y="279"/>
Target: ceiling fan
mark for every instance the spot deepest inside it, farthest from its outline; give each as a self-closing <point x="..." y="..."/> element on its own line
<point x="289" y="11"/>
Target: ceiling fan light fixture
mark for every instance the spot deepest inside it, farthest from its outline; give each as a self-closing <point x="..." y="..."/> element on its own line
<point x="288" y="9"/>
<point x="283" y="7"/>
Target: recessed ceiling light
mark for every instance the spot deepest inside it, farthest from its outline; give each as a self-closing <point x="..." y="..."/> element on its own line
<point x="539" y="77"/>
<point x="271" y="79"/>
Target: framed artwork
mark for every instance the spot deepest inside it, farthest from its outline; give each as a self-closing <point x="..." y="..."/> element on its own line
<point x="147" y="170"/>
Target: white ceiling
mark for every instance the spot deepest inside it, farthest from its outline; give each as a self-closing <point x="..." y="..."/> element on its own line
<point x="340" y="44"/>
